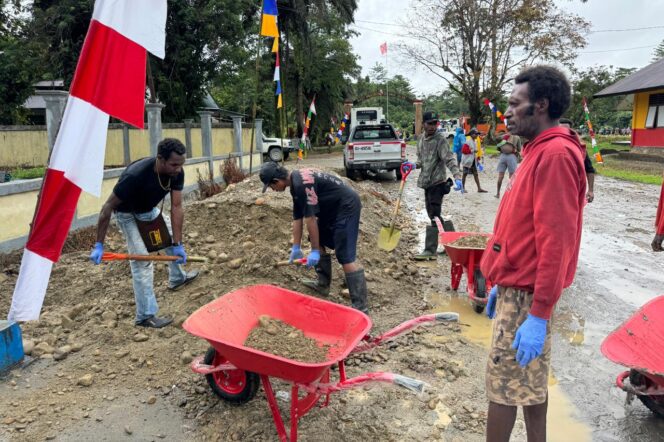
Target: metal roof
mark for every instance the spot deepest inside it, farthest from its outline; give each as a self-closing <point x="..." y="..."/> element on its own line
<point x="649" y="78"/>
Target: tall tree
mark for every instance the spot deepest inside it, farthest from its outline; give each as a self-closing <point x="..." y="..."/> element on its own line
<point x="19" y="67"/>
<point x="658" y="53"/>
<point x="478" y="45"/>
<point x="303" y="23"/>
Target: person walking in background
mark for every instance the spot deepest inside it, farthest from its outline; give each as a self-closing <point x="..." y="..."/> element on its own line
<point x="458" y="142"/>
<point x="533" y="253"/>
<point x="433" y="156"/>
<point x="587" y="164"/>
<point x="469" y="159"/>
<point x="509" y="148"/>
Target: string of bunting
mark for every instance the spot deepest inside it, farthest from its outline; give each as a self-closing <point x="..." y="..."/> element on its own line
<point x="494" y="109"/>
<point x="342" y="127"/>
<point x="596" y="152"/>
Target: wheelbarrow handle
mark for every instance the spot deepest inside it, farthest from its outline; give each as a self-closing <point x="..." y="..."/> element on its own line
<point x="414" y="385"/>
<point x="434" y="318"/>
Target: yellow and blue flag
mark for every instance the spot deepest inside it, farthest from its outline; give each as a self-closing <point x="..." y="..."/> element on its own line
<point x="269" y="19"/>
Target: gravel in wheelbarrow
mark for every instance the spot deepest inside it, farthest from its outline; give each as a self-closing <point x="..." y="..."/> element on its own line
<point x="234" y="370"/>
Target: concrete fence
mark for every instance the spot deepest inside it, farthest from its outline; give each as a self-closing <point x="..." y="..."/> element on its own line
<point x="208" y="145"/>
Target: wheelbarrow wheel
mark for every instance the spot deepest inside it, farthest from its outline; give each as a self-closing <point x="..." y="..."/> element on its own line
<point x="233" y="386"/>
<point x="480" y="289"/>
<point x="654" y="403"/>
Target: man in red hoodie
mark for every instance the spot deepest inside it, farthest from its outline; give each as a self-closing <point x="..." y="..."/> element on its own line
<point x="533" y="253"/>
<point x="659" y="223"/>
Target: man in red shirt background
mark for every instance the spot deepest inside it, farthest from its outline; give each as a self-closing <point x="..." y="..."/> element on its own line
<point x="659" y="223"/>
<point x="533" y="253"/>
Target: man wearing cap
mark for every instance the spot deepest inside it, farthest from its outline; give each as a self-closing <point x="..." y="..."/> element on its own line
<point x="509" y="148"/>
<point x="331" y="211"/>
<point x="433" y="155"/>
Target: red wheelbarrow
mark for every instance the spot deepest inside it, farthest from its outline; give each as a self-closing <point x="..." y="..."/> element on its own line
<point x="465" y="259"/>
<point x="233" y="371"/>
<point x="639" y="345"/>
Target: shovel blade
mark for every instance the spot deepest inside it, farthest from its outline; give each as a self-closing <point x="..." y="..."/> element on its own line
<point x="388" y="238"/>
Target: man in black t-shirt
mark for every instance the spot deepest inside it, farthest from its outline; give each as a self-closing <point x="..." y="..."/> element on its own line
<point x="141" y="187"/>
<point x="331" y="211"/>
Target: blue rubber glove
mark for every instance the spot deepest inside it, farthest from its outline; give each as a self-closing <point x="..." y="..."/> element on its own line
<point x="295" y="253"/>
<point x="178" y="250"/>
<point x="97" y="252"/>
<point x="491" y="303"/>
<point x="529" y="339"/>
<point x="410" y="164"/>
<point x="459" y="185"/>
<point x="313" y="258"/>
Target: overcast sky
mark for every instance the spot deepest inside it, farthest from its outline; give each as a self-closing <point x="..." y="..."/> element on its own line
<point x="603" y="14"/>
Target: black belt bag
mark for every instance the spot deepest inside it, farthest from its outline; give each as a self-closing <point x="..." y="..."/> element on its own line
<point x="155" y="234"/>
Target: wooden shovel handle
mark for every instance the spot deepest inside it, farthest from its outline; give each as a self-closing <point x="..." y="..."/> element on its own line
<point x="107" y="256"/>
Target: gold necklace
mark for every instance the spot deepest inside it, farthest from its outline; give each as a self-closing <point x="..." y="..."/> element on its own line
<point x="168" y="185"/>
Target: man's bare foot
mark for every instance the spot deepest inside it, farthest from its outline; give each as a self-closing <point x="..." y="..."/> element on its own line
<point x="497" y="195"/>
<point x="482" y="191"/>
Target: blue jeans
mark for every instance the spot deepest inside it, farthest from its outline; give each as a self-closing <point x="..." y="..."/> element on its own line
<point x="458" y="155"/>
<point x="142" y="272"/>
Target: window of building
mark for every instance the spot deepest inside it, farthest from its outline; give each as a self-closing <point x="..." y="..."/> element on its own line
<point x="655" y="117"/>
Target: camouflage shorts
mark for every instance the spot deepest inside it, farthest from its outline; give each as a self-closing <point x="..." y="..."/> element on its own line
<point x="507" y="383"/>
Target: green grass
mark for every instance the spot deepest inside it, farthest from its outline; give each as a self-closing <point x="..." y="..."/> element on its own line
<point x="27" y="173"/>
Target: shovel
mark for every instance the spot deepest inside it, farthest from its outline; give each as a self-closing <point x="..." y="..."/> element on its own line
<point x="301" y="261"/>
<point x="107" y="256"/>
<point x="388" y="237"/>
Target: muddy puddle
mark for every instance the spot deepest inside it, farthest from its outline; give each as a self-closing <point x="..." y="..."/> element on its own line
<point x="562" y="426"/>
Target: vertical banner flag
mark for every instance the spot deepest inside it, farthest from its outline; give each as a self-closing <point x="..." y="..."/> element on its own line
<point x="342" y="127"/>
<point x="269" y="19"/>
<point x="277" y="78"/>
<point x="305" y="131"/>
<point x="596" y="152"/>
<point x="109" y="80"/>
<point x="383" y="49"/>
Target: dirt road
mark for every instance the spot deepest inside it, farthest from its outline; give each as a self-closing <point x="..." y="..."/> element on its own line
<point x="114" y="382"/>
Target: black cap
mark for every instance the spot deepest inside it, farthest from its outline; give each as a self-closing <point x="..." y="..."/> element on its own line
<point x="430" y="116"/>
<point x="271" y="171"/>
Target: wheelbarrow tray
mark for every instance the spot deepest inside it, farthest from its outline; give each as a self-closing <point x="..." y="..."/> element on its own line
<point x="460" y="255"/>
<point x="227" y="321"/>
<point x="639" y="342"/>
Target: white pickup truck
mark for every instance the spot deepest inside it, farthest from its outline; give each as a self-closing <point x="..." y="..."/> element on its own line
<point x="374" y="147"/>
<point x="275" y="149"/>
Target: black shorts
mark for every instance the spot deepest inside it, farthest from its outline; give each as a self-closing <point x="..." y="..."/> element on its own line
<point x="341" y="236"/>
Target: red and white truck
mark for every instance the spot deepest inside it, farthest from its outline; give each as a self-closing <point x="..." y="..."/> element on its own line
<point x="374" y="147"/>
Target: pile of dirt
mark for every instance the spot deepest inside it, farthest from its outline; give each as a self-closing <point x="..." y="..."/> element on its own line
<point x="91" y="359"/>
<point x="278" y="338"/>
<point x="471" y="242"/>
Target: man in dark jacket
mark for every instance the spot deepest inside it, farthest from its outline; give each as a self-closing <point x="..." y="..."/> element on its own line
<point x="433" y="156"/>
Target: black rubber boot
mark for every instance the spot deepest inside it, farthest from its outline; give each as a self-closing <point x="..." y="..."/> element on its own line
<point x="324" y="272"/>
<point x="430" y="245"/>
<point x="357" y="286"/>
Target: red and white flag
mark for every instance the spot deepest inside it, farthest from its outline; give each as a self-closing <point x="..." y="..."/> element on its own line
<point x="109" y="80"/>
<point x="383" y="49"/>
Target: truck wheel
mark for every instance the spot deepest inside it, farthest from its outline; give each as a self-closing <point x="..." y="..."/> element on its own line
<point x="233" y="386"/>
<point x="275" y="154"/>
<point x="397" y="172"/>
